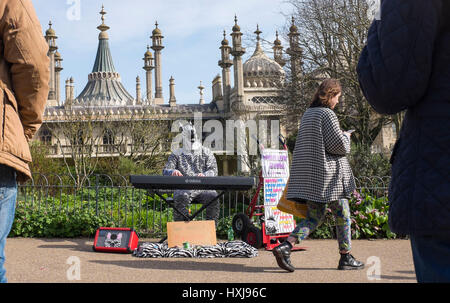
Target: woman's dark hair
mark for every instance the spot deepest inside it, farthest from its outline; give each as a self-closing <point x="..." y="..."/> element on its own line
<point x="327" y="90"/>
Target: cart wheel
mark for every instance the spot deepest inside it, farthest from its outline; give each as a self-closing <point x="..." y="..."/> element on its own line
<point x="253" y="236"/>
<point x="240" y="223"/>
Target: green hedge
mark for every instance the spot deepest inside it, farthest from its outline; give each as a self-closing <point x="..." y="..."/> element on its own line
<point x="54" y="224"/>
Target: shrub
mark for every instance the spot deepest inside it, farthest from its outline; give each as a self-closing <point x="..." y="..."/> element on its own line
<point x="41" y="162"/>
<point x="368" y="216"/>
<point x="29" y="222"/>
<point x="365" y="163"/>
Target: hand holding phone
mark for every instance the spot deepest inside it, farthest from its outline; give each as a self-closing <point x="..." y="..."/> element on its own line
<point x="348" y="132"/>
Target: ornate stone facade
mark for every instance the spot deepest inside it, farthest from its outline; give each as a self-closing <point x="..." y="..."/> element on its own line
<point x="255" y="94"/>
<point x="258" y="83"/>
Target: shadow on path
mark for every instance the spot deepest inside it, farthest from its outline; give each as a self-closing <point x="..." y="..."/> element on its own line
<point x="195" y="265"/>
<point x="160" y="264"/>
<point x="84" y="245"/>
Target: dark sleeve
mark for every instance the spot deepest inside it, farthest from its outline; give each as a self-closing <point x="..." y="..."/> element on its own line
<point x="395" y="65"/>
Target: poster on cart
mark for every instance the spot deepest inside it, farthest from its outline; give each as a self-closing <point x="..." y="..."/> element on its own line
<point x="275" y="167"/>
<point x="275" y="163"/>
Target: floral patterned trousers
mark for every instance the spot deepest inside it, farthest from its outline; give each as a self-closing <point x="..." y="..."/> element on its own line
<point x="315" y="216"/>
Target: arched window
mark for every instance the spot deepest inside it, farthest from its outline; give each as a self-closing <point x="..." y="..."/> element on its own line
<point x="46" y="136"/>
<point x="108" y="141"/>
<point x="77" y="141"/>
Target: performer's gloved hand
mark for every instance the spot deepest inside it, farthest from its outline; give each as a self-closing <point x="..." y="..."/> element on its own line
<point x="177" y="173"/>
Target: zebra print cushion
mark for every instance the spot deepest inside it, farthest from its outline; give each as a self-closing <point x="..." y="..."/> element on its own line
<point x="232" y="249"/>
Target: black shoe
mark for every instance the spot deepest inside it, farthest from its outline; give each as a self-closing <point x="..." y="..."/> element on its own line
<point x="348" y="262"/>
<point x="282" y="253"/>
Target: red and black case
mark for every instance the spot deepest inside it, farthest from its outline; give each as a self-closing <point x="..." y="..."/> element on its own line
<point x="115" y="239"/>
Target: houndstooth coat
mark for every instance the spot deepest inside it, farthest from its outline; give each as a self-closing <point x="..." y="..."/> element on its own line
<point x="320" y="171"/>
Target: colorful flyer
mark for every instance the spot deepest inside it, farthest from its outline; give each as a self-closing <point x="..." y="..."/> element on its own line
<point x="275" y="164"/>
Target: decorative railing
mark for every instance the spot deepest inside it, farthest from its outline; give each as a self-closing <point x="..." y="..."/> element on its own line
<point x="113" y="196"/>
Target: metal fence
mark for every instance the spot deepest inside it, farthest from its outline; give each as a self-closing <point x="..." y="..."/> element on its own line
<point x="114" y="198"/>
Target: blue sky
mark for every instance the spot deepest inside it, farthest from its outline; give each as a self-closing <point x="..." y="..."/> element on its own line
<point x="192" y="30"/>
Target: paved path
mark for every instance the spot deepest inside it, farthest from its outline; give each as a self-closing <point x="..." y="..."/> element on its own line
<point x="50" y="260"/>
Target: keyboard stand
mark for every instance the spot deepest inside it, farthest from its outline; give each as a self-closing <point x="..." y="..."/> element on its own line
<point x="186" y="218"/>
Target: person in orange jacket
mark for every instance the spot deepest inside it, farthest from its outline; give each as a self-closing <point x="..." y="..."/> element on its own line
<point x="24" y="87"/>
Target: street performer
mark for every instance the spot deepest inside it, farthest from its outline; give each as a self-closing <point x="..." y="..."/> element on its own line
<point x="194" y="160"/>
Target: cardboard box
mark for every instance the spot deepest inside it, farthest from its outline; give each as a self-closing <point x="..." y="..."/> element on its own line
<point x="194" y="232"/>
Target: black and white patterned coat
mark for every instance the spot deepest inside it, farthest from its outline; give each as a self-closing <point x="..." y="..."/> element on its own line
<point x="320" y="171"/>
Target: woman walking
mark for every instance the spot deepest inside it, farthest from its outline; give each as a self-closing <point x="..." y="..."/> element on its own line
<point x="321" y="176"/>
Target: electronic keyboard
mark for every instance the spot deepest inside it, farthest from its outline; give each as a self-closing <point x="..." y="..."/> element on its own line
<point x="192" y="183"/>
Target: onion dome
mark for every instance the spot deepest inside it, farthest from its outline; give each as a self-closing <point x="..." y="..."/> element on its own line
<point x="277" y="41"/>
<point x="50" y="32"/>
<point x="148" y="53"/>
<point x="260" y="70"/>
<point x="50" y="37"/>
<point x="156" y="31"/>
<point x="224" y="41"/>
<point x="293" y="28"/>
<point x="58" y="56"/>
<point x="236" y="27"/>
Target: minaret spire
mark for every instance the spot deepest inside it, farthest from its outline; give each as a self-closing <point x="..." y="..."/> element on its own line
<point x="258" y="48"/>
<point x="201" y="88"/>
<point x="257" y="32"/>
<point x="157" y="47"/>
<point x="237" y="52"/>
<point x="278" y="51"/>
<point x="148" y="67"/>
<point x="225" y="63"/>
<point x="172" y="99"/>
<point x="294" y="51"/>
<point x="103" y="27"/>
<point x="50" y="37"/>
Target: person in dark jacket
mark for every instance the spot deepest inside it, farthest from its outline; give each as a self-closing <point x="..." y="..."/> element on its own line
<point x="406" y="66"/>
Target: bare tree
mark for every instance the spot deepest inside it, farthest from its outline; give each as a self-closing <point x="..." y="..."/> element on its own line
<point x="77" y="141"/>
<point x="332" y="36"/>
<point x="141" y="138"/>
<point x="84" y="134"/>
